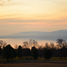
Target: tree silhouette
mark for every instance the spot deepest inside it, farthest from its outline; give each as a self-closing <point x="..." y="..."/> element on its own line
<point x="48" y="54"/>
<point x="2" y="43"/>
<point x="25" y="44"/>
<point x="52" y="45"/>
<point x="61" y="43"/>
<point x="0" y="51"/>
<point x="8" y="52"/>
<point x="35" y="53"/>
<point x="20" y="52"/>
<point x="47" y="45"/>
<point x="35" y="43"/>
<point x="27" y="53"/>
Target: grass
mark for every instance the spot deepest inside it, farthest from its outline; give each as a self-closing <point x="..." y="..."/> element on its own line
<point x="30" y="58"/>
<point x="34" y="65"/>
<point x="58" y="58"/>
<point x="39" y="63"/>
<point x="40" y="60"/>
<point x="54" y="58"/>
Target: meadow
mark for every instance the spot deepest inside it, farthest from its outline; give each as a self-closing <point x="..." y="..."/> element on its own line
<point x="34" y="65"/>
<point x="41" y="62"/>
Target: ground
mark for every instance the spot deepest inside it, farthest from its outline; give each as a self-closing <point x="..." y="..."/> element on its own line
<point x="34" y="65"/>
<point x="53" y="62"/>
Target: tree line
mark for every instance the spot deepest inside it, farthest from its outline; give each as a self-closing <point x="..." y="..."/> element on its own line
<point x="48" y="51"/>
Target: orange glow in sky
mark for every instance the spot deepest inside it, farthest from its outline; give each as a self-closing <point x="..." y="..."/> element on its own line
<point x="33" y="15"/>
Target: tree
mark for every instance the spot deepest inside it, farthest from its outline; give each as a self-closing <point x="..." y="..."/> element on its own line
<point x="27" y="53"/>
<point x="16" y="46"/>
<point x="52" y="45"/>
<point x="25" y="44"/>
<point x="20" y="52"/>
<point x="48" y="54"/>
<point x="16" y="49"/>
<point x="30" y="43"/>
<point x="8" y="52"/>
<point x="61" y="43"/>
<point x="0" y="51"/>
<point x="35" y="43"/>
<point x="2" y="43"/>
<point x="35" y="53"/>
<point x="46" y="45"/>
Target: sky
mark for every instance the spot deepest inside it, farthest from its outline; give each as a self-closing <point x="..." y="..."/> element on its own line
<point x="32" y="15"/>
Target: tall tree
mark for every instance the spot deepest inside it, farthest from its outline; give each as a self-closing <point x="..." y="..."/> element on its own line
<point x="47" y="45"/>
<point x="48" y="54"/>
<point x="52" y="45"/>
<point x="0" y="51"/>
<point x="8" y="52"/>
<point x="27" y="53"/>
<point x="35" y="53"/>
<point x="20" y="52"/>
<point x="2" y="43"/>
<point x="61" y="43"/>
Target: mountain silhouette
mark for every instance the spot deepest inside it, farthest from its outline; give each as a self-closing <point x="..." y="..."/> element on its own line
<point x="39" y="35"/>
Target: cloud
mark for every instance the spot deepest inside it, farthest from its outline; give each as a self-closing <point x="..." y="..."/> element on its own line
<point x="35" y="23"/>
<point x="16" y="20"/>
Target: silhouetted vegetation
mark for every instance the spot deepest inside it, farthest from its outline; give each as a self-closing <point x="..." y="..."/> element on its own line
<point x="19" y="52"/>
<point x="8" y="52"/>
<point x="48" y="54"/>
<point x="61" y="44"/>
<point x="35" y="51"/>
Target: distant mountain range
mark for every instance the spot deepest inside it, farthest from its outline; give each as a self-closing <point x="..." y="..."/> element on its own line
<point x="38" y="35"/>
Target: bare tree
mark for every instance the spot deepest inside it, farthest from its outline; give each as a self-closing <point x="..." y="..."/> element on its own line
<point x="16" y="46"/>
<point x="25" y="44"/>
<point x="52" y="45"/>
<point x="30" y="43"/>
<point x="2" y="43"/>
<point x="35" y="43"/>
<point x="46" y="45"/>
<point x="61" y="42"/>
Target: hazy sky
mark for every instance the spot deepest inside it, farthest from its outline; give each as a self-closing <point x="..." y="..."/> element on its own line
<point x="32" y="15"/>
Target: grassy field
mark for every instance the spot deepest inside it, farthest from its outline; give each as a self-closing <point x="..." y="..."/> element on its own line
<point x="34" y="65"/>
<point x="58" y="58"/>
<point x="30" y="58"/>
<point x="53" y="62"/>
<point x="53" y="58"/>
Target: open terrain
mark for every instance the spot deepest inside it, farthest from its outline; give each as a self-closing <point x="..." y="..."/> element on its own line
<point x="34" y="65"/>
<point x="53" y="62"/>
